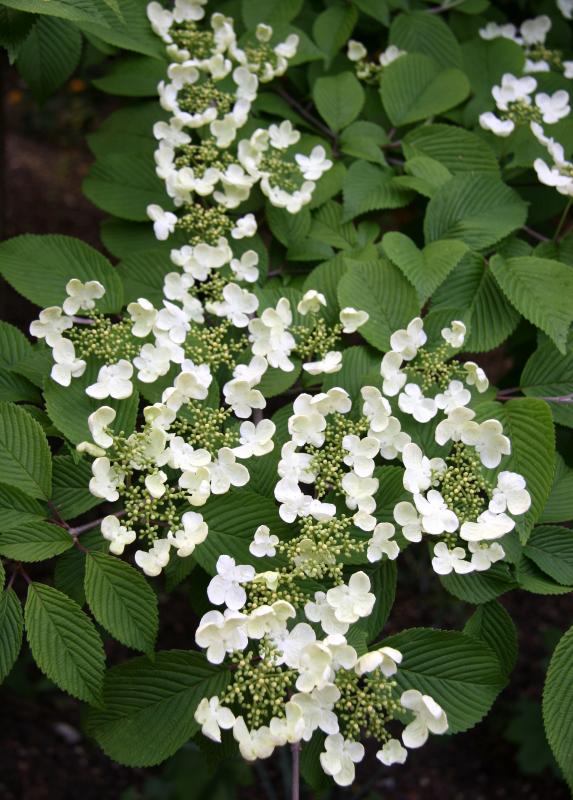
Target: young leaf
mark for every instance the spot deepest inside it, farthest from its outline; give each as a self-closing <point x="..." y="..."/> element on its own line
<point x="121" y="600"/>
<point x="34" y="541"/>
<point x="491" y="623"/>
<point x="64" y="642"/>
<point x="558" y="705"/>
<point x="25" y="459"/>
<point x="339" y="99"/>
<point x="11" y="627"/>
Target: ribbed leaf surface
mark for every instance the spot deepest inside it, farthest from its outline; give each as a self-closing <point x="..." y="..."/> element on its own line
<point x="492" y="623"/>
<point x="34" y="541"/>
<point x="11" y="627"/>
<point x="558" y="705"/>
<point x="551" y="548"/>
<point x="25" y="459"/>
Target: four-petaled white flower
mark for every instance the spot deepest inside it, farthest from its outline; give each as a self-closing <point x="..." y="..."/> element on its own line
<point x="339" y="757"/>
<point x="332" y="362"/>
<point x="212" y="716"/>
<point x="407" y="341"/>
<point x="193" y="532"/>
<point x="66" y="365"/>
<point x="311" y="302"/>
<point x="98" y="423"/>
<point x="314" y="165"/>
<point x="255" y="440"/>
<point x="386" y="659"/>
<point x="50" y="325"/>
<point x="446" y="561"/>
<point x="434" y="513"/>
<point x="225" y="588"/>
<point x="352" y="319"/>
<point x="352" y="600"/>
<point x="428" y="717"/>
<point x="113" y="380"/>
<point x="392" y="752"/>
<point x="153" y="560"/>
<point x="455" y="334"/>
<point x="81" y="296"/>
<point x="510" y="494"/>
<point x="116" y="534"/>
<point x="164" y="222"/>
<point x="412" y="401"/>
<point x="420" y="470"/>
<point x="264" y="543"/>
<point x="382" y="543"/>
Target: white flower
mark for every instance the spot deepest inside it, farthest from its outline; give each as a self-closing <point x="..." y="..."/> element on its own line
<point x="375" y="408"/>
<point x="553" y="108"/>
<point x="335" y="400"/>
<point x="499" y="127"/>
<point x="311" y="302"/>
<point x="143" y="315"/>
<point x="264" y="543"/>
<point x="566" y="8"/>
<point x="407" y="342"/>
<point x="81" y="296"/>
<point x="284" y="135"/>
<point x="355" y="51"/>
<point x="157" y="557"/>
<point x="171" y="132"/>
<point x="339" y="758"/>
<point x="255" y="440"/>
<point x="174" y="321"/>
<point x="221" y="633"/>
<point x="252" y="372"/>
<point x="237" y="305"/>
<point x="116" y="533"/>
<point x="161" y="20"/>
<point x="352" y="319"/>
<point x="155" y="484"/>
<point x="152" y="362"/>
<point x="288" y="48"/>
<point x="269" y="620"/>
<point x="98" y="423"/>
<point x="484" y="555"/>
<point x="332" y="362"/>
<point x="435" y="515"/>
<point x="494" y="31"/>
<point x="290" y="644"/>
<point x="106" y="480"/>
<point x="412" y="401"/>
<point x="225" y="472"/>
<point x="476" y="376"/>
<point x="212" y="716"/>
<point x="263" y="32"/>
<point x="225" y="588"/>
<point x="510" y="494"/>
<point x="353" y="600"/>
<point x="386" y="659"/>
<point x="359" y="492"/>
<point x="491" y="444"/>
<point x="315" y="165"/>
<point x="113" y="380"/>
<point x="446" y="560"/>
<point x="407" y="516"/>
<point x="390" y="54"/>
<point x="322" y="612"/>
<point x="192" y="383"/>
<point x="163" y="221"/>
<point x="382" y="544"/>
<point x="255" y="744"/>
<point x="196" y="482"/>
<point x="295" y="465"/>
<point x="513" y="90"/>
<point x="392" y="439"/>
<point x="193" y="532"/>
<point x="455" y="335"/>
<point x="198" y="261"/>
<point x="158" y="416"/>
<point x="420" y="470"/>
<point x="534" y="31"/>
<point x="455" y="396"/>
<point x="245" y="227"/>
<point x="289" y="728"/>
<point x="240" y="395"/>
<point x="361" y="454"/>
<point x="458" y="426"/>
<point x="392" y="752"/>
<point x="317" y="710"/>
<point x="50" y="325"/>
<point x="319" y="661"/>
<point x="394" y="378"/>
<point x="306" y="425"/>
<point x="245" y="268"/>
<point x="487" y="526"/>
<point x="429" y="717"/>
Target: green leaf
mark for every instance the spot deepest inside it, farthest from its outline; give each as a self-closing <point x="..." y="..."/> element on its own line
<point x="34" y="541"/>
<point x="478" y="209"/>
<point x="541" y="290"/>
<point x="256" y="11"/>
<point x="415" y="87"/>
<point x="325" y="278"/>
<point x="70" y="570"/>
<point x="14" y="347"/>
<point x="532" y="579"/>
<point x="16" y="508"/>
<point x="39" y="267"/>
<point x="379" y="288"/>
<point x="364" y="140"/>
<point x="69" y="407"/>
<point x="378" y="9"/>
<point x="390" y="492"/>
<point x="339" y="99"/>
<point x="367" y="188"/>
<point x="128" y="130"/>
<point x="425" y="175"/>
<point x="143" y="274"/>
<point x="551" y="549"/>
<point x="558" y="705"/>
<point x="420" y="32"/>
<point x="64" y="642"/>
<point x="327" y="227"/>
<point x="124" y="185"/>
<point x="73" y="10"/>
<point x="491" y="623"/>
<point x="332" y="28"/>
<point x="25" y="460"/>
<point x="457" y="149"/>
<point x="133" y="76"/>
<point x="16" y="388"/>
<point x="383" y="579"/>
<point x="288" y="228"/>
<point x="49" y="55"/>
<point x="70" y="493"/>
<point x="148" y="706"/>
<point x="559" y="505"/>
<point x="485" y="62"/>
<point x="461" y="673"/>
<point x="122" y="601"/>
<point x="425" y="269"/>
<point x="479" y="587"/>
<point x="130" y="31"/>
<point x="548" y="373"/>
<point x="11" y="627"/>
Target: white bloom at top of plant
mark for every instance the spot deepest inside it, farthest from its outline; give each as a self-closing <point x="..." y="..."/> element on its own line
<point x="50" y="325"/>
<point x="456" y="334"/>
<point x="484" y="555"/>
<point x="408" y="341"/>
<point x="290" y="644"/>
<point x="284" y="135"/>
<point x="192" y="383"/>
<point x="428" y="717"/>
<point x="317" y="710"/>
<point x="455" y="396"/>
<point x="487" y="526"/>
<point x="173" y="321"/>
<point x="311" y="302"/>
<point x="375" y="408"/>
<point x="458" y="426"/>
<point x="295" y="465"/>
<point x="355" y="51"/>
<point x="319" y="610"/>
<point x="198" y="261"/>
<point x="255" y="440"/>
<point x="420" y="469"/>
<point x="510" y="494"/>
<point x="446" y="561"/>
<point x="105" y="480"/>
<point x="360" y="454"/>
<point x="491" y="444"/>
<point x="392" y="440"/>
<point x="339" y="758"/>
<point x="494" y="31"/>
<point x="386" y="659"/>
<point x="237" y="305"/>
<point x="116" y="534"/>
<point x="225" y="588"/>
<point x="221" y="633"/>
<point x="314" y="165"/>
<point x="171" y="132"/>
<point x="359" y="492"/>
<point x="332" y="362"/>
<point x="264" y="543"/>
<point x="212" y="716"/>
<point x="153" y="560"/>
<point x="553" y="107"/>
<point x="476" y="376"/>
<point x="245" y="227"/>
<point x="435" y="515"/>
<point x="352" y="319"/>
<point x="407" y="516"/>
<point x="225" y="472"/>
<point x="113" y="380"/>
<point x="242" y="397"/>
<point x="193" y="532"/>
<point x="534" y="31"/>
<point x="392" y="752"/>
<point x="245" y="268"/>
<point x="164" y="222"/>
<point x="152" y="362"/>
<point x="353" y="600"/>
<point x="82" y="295"/>
<point x="143" y="313"/>
<point x="390" y="54"/>
<point x="98" y="423"/>
<point x="382" y="543"/>
<point x="412" y="401"/>
<point x="306" y="425"/>
<point x="513" y="90"/>
<point x="499" y="127"/>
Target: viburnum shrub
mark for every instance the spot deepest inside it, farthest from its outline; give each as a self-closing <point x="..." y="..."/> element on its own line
<point x="275" y="396"/>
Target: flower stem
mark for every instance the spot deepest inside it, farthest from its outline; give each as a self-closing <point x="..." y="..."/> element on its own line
<point x="562" y="220"/>
<point x="295" y="778"/>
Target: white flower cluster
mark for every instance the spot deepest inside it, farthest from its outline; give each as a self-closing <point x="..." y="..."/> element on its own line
<point x="559" y="174"/>
<point x="370" y="70"/>
<point x="531" y="35"/>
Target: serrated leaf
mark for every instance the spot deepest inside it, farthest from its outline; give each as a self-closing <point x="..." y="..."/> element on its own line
<point x="14" y="347"/>
<point x="379" y="288"/>
<point x="25" y="459"/>
<point x="492" y="623"/>
<point x="550" y="547"/>
<point x="274" y="14"/>
<point x="425" y="175"/>
<point x="558" y="705"/>
<point x="126" y="130"/>
<point x="129" y="31"/>
<point x="288" y="228"/>
<point x="133" y="76"/>
<point x="64" y="642"/>
<point x="11" y="628"/>
<point x="73" y="10"/>
<point x="559" y="505"/>
<point x="425" y="269"/>
<point x="534" y="580"/>
<point x="461" y="673"/>
<point x="420" y="32"/>
<point x="70" y="569"/>
<point x="70" y="493"/>
<point x="549" y="374"/>
<point x="332" y="28"/>
<point x="541" y="290"/>
<point x="17" y="508"/>
<point x="49" y="55"/>
<point x="478" y="209"/>
<point x="143" y="274"/>
<point x="40" y="266"/>
<point x="121" y="600"/>
<point x="457" y="149"/>
<point x="148" y="706"/>
<point x="368" y="188"/>
<point x="364" y="139"/>
<point x="34" y="541"/>
<point x="339" y="99"/>
<point x="378" y="9"/>
<point x="479" y="587"/>
<point x="415" y="87"/>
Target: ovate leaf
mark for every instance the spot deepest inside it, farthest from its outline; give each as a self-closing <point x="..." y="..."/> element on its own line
<point x="25" y="459"/>
<point x="549" y="374"/>
<point x="491" y="623"/>
<point x="34" y="541"/>
<point x="339" y="99"/>
<point x="367" y="187"/>
<point x="11" y="626"/>
<point x="551" y="549"/>
<point x="49" y="55"/>
<point x="558" y="705"/>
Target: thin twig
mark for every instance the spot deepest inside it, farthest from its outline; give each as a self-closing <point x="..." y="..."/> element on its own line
<point x="295" y="776"/>
<point x="535" y="235"/>
<point x="445" y="7"/>
<point x="300" y="109"/>
<point x="508" y="392"/>
<point x="562" y="220"/>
